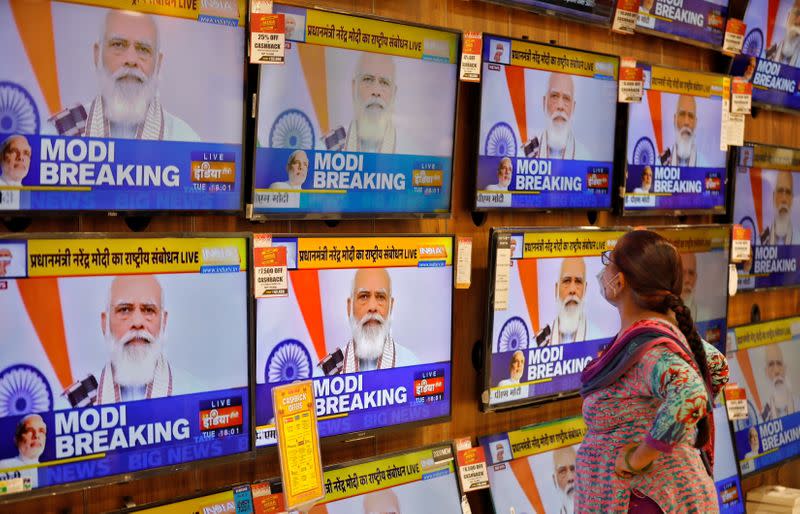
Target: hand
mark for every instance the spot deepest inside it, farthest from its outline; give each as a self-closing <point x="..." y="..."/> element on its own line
<point x="641" y="457"/>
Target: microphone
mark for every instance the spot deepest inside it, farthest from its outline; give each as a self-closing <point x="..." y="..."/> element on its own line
<point x="532" y="148"/>
<point x="543" y="337"/>
<point x="335" y="139"/>
<point x="333" y="363"/>
<point x="82" y="393"/>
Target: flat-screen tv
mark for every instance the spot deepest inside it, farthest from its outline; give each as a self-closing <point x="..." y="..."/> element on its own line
<point x="705" y="254"/>
<point x="369" y="320"/>
<point x="591" y="11"/>
<point x="109" y="109"/>
<point x="726" y="472"/>
<point x="358" y="122"/>
<point x="112" y="359"/>
<point x="765" y="202"/>
<point x="770" y="57"/>
<point x="673" y="159"/>
<point x="546" y="317"/>
<point x="547" y="125"/>
<point x="697" y="22"/>
<point x="221" y="502"/>
<point x="533" y="469"/>
<point x="764" y="359"/>
<point x="421" y="480"/>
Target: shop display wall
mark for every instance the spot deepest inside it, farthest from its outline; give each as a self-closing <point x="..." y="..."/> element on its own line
<point x="469" y="305"/>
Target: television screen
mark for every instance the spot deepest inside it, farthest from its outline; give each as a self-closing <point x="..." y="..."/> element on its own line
<point x="223" y="502"/>
<point x="770" y="57"/>
<point x="533" y="469"/>
<point x="764" y="360"/>
<point x="673" y="158"/>
<point x="415" y="481"/>
<point x="547" y="125"/>
<point x="358" y="121"/>
<point x="96" y="113"/>
<point x="547" y="318"/>
<point x="592" y="11"/>
<point x="764" y="202"/>
<point x="705" y="256"/>
<point x="369" y="319"/>
<point x="701" y="22"/>
<point x="726" y="473"/>
<point x="111" y="360"/>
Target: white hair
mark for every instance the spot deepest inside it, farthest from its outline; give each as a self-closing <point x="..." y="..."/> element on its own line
<point x="353" y="284"/>
<point x="109" y="307"/>
<point x="104" y="27"/>
<point x="10" y="139"/>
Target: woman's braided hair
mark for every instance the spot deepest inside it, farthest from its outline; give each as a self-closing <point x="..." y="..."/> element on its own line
<point x="653" y="270"/>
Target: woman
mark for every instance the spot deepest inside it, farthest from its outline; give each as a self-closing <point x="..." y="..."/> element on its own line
<point x="647" y="398"/>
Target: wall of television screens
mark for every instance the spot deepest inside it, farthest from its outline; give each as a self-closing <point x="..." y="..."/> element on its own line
<point x="126" y="356"/>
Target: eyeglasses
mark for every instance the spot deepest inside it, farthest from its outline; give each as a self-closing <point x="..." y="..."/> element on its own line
<point x="605" y="257"/>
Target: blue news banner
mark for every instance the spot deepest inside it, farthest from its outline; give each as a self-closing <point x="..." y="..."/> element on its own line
<point x="773" y="83"/>
<point x="545" y="184"/>
<point x="133" y="436"/>
<point x="354" y="182"/>
<point x="772" y="266"/>
<point x="677" y="187"/>
<point x="779" y="440"/>
<point x="136" y="175"/>
<point x="369" y="400"/>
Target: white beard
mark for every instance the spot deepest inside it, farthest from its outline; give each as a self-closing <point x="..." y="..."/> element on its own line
<point x="569" y="316"/>
<point x="782" y="394"/>
<point x="783" y="223"/>
<point x="135" y="365"/>
<point x="369" y="341"/>
<point x="567" y="500"/>
<point x="557" y="133"/>
<point x="790" y="43"/>
<point x="372" y="119"/>
<point x="127" y="100"/>
<point x="684" y="144"/>
<point x="516" y="376"/>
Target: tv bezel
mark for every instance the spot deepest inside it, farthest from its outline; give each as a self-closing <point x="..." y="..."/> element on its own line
<point x="372" y="432"/>
<point x="487" y="342"/>
<point x="131" y="476"/>
<point x="742" y="475"/>
<point x="477" y="139"/>
<point x="626" y="212"/>
<point x="251" y="212"/>
<point x="242" y="172"/>
<point x="734" y="176"/>
<point x="576" y="16"/>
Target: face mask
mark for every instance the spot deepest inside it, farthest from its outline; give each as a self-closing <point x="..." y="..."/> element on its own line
<point x="604" y="284"/>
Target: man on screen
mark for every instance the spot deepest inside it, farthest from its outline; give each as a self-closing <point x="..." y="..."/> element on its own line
<point x="788" y="50"/>
<point x="557" y="141"/>
<point x="647" y="181"/>
<point x="781" y="400"/>
<point x="503" y="176"/>
<point x="374" y="92"/>
<point x="16" y="161"/>
<point x="515" y="369"/>
<point x="296" y="172"/>
<point x="781" y="231"/>
<point x="369" y="308"/>
<point x="689" y="264"/>
<point x="684" y="151"/>
<point x="134" y="325"/>
<point x="381" y="502"/>
<point x="30" y="438"/>
<point x="127" y="59"/>
<point x="564" y="477"/>
<point x="570" y="325"/>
